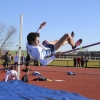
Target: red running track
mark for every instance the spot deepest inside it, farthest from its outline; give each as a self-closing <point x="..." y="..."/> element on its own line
<point x="86" y="82"/>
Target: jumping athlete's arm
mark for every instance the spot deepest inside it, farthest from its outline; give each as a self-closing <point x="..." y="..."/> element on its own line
<point x="42" y="60"/>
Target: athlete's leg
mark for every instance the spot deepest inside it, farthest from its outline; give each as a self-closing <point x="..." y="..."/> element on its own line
<point x="63" y="39"/>
<point x="66" y="42"/>
<point x="67" y="38"/>
<point x="53" y="42"/>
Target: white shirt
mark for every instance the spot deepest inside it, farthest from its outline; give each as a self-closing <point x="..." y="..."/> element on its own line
<point x="10" y="75"/>
<point x="9" y="58"/>
<point x="16" y="58"/>
<point x="39" y="53"/>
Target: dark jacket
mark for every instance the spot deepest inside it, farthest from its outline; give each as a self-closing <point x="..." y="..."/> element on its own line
<point x="6" y="58"/>
<point x="28" y="58"/>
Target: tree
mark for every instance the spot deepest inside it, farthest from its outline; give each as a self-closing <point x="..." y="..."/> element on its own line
<point x="7" y="36"/>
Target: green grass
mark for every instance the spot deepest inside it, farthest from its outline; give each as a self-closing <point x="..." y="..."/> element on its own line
<point x="14" y="52"/>
<point x="62" y="62"/>
<point x="65" y="63"/>
<point x="70" y="63"/>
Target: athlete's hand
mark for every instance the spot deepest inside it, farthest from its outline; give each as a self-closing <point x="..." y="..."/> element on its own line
<point x="43" y="24"/>
<point x="57" y="54"/>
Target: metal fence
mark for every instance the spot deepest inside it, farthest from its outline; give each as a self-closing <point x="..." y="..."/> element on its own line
<point x="71" y="57"/>
<point x="70" y="63"/>
<point x="66" y="63"/>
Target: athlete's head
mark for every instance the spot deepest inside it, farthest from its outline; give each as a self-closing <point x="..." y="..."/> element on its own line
<point x="33" y="38"/>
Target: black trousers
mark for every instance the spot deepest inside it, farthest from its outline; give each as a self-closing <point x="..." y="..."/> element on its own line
<point x="74" y="64"/>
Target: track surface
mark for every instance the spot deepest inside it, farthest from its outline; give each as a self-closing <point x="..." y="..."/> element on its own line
<point x="86" y="82"/>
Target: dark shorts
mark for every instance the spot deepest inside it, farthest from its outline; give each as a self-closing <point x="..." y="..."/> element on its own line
<point x="50" y="46"/>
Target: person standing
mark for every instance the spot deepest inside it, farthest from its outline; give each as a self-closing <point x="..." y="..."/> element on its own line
<point x="78" y="61"/>
<point x="28" y="58"/>
<point x="82" y="61"/>
<point x="6" y="58"/>
<point x="16" y="60"/>
<point x="23" y="59"/>
<point x="75" y="60"/>
<point x="10" y="58"/>
<point x="86" y="61"/>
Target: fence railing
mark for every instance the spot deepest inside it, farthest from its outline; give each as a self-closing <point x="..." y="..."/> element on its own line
<point x="71" y="57"/>
<point x="66" y="63"/>
<point x="70" y="63"/>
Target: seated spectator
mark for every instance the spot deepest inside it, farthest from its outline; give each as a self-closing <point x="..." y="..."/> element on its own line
<point x="11" y="74"/>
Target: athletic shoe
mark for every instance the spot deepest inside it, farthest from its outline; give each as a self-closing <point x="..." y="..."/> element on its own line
<point x="72" y="34"/>
<point x="77" y="43"/>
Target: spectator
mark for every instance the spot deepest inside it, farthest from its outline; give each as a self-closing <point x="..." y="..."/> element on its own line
<point x="23" y="59"/>
<point x="78" y="61"/>
<point x="16" y="59"/>
<point x="10" y="58"/>
<point x="27" y="59"/>
<point x="6" y="62"/>
<point x="27" y="69"/>
<point x="75" y="60"/>
<point x="86" y="61"/>
<point x="82" y="61"/>
<point x="11" y="74"/>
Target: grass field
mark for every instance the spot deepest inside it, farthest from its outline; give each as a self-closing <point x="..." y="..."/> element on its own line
<point x="70" y="63"/>
<point x="60" y="62"/>
<point x="14" y="52"/>
<point x="65" y="63"/>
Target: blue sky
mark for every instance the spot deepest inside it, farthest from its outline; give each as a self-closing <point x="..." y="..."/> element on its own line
<point x="62" y="16"/>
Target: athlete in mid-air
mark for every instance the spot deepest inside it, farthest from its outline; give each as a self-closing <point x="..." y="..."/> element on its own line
<point x="40" y="51"/>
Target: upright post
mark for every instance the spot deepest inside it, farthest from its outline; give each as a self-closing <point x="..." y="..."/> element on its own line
<point x="20" y="44"/>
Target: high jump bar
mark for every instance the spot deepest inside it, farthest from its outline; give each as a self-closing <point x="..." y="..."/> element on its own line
<point x="80" y="48"/>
